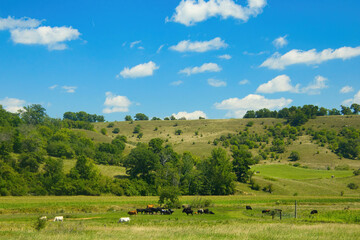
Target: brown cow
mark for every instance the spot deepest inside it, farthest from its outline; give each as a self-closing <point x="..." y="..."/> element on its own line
<point x="150" y="206"/>
<point x="132" y="212"/>
<point x="266" y="211"/>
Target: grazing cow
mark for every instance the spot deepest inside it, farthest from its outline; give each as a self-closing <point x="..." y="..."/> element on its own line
<point x="266" y="211"/>
<point x="166" y="211"/>
<point x="211" y="212"/>
<point x="124" y="219"/>
<point x="206" y="211"/>
<point x="44" y="218"/>
<point x="188" y="211"/>
<point x="140" y="210"/>
<point x="148" y="211"/>
<point x="150" y="206"/>
<point x="248" y="208"/>
<point x="314" y="212"/>
<point x="132" y="212"/>
<point x="59" y="219"/>
<point x="200" y="211"/>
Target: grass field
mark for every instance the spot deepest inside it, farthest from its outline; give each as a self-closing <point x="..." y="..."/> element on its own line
<point x="96" y="218"/>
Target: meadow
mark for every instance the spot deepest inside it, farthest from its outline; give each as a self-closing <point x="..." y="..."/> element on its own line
<point x="96" y="218"/>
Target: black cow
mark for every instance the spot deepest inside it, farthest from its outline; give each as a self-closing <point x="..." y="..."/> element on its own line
<point x="200" y="211"/>
<point x="140" y="210"/>
<point x="211" y="212"/>
<point x="166" y="211"/>
<point x="206" y="211"/>
<point x="266" y="211"/>
<point x="188" y="211"/>
<point x="314" y="212"/>
<point x="148" y="211"/>
<point x="248" y="208"/>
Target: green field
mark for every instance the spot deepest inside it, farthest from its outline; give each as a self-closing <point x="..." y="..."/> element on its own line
<point x="96" y="218"/>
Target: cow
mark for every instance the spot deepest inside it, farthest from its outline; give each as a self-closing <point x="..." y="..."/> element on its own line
<point x="150" y="206"/>
<point x="266" y="211"/>
<point x="166" y="211"/>
<point x="148" y="211"/>
<point x="211" y="212"/>
<point x="124" y="219"/>
<point x="314" y="212"/>
<point x="188" y="211"/>
<point x="59" y="219"/>
<point x="132" y="212"/>
<point x="44" y="218"/>
<point x="200" y="211"/>
<point x="140" y="210"/>
<point x="206" y="211"/>
<point x="248" y="208"/>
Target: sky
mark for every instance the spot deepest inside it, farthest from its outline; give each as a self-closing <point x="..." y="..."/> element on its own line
<point x="188" y="58"/>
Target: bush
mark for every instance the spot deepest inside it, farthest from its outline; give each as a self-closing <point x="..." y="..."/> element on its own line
<point x="352" y="186"/>
<point x="137" y="129"/>
<point x="40" y="224"/>
<point x="294" y="156"/>
<point x="116" y="130"/>
<point x="103" y="131"/>
<point x="198" y="202"/>
<point x="110" y="125"/>
<point x="169" y="196"/>
<point x="250" y="124"/>
<point x="357" y="172"/>
<point x="178" y="132"/>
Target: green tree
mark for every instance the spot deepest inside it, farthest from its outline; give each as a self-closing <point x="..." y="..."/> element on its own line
<point x="85" y="169"/>
<point x="294" y="156"/>
<point x="355" y="107"/>
<point x="33" y="114"/>
<point x="141" y="117"/>
<point x="242" y="158"/>
<point x="155" y="145"/>
<point x="217" y="173"/>
<point x="128" y="118"/>
<point x="345" y="110"/>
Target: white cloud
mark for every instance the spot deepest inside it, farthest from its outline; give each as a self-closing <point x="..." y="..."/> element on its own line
<point x="189" y="12"/>
<point x="280" y="42"/>
<point x="346" y="89"/>
<point x="141" y="70"/>
<point x="255" y="54"/>
<point x="310" y="57"/>
<point x="53" y="87"/>
<point x="134" y="43"/>
<point x="206" y="67"/>
<point x="52" y="37"/>
<point x="243" y="82"/>
<point x="114" y="103"/>
<point x="69" y="89"/>
<point x="12" y="104"/>
<point x="24" y="22"/>
<point x="281" y="83"/>
<point x="177" y="83"/>
<point x="225" y="56"/>
<point x="190" y="116"/>
<point x="159" y="49"/>
<point x="216" y="83"/>
<point x="197" y="46"/>
<point x="237" y="107"/>
<point x="356" y="99"/>
<point x="315" y="87"/>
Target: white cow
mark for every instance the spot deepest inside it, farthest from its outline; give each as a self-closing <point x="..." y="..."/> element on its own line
<point x="59" y="219"/>
<point x="44" y="218"/>
<point x="124" y="219"/>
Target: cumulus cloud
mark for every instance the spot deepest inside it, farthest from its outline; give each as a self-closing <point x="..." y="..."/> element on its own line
<point x="190" y="116"/>
<point x="12" y="104"/>
<point x="115" y="103"/>
<point x="69" y="89"/>
<point x="24" y="22"/>
<point x="198" y="46"/>
<point x="225" y="56"/>
<point x="52" y="37"/>
<point x="237" y="107"/>
<point x="280" y="42"/>
<point x="141" y="70"/>
<point x="355" y="99"/>
<point x="216" y="83"/>
<point x="206" y="67"/>
<point x="315" y="86"/>
<point x="190" y="12"/>
<point x="243" y="82"/>
<point x="281" y="83"/>
<point x="346" y="89"/>
<point x="310" y="57"/>
<point x="177" y="83"/>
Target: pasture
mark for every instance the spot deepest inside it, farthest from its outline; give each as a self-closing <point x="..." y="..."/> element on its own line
<point x="97" y="217"/>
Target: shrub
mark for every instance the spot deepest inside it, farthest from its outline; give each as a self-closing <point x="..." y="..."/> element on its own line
<point x="357" y="172"/>
<point x="103" y="131"/>
<point x="250" y="124"/>
<point x="352" y="186"/>
<point x="110" y="125"/>
<point x="40" y="224"/>
<point x="116" y="130"/>
<point x="294" y="156"/>
<point x="169" y="196"/>
<point x="178" y="132"/>
<point x="137" y="129"/>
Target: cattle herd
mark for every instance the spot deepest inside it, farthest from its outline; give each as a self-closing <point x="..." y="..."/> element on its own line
<point x="151" y="209"/>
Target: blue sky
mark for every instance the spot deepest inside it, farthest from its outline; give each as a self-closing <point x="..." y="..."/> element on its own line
<point x="213" y="58"/>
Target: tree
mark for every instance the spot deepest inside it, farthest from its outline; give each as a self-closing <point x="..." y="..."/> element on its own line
<point x="155" y="145"/>
<point x="155" y="118"/>
<point x="242" y="158"/>
<point x="334" y="111"/>
<point x="294" y="156"/>
<point x="116" y="130"/>
<point x="128" y="118"/>
<point x="85" y="169"/>
<point x="70" y="116"/>
<point x="250" y="114"/>
<point x="217" y="173"/>
<point x="172" y="117"/>
<point x="178" y="132"/>
<point x="169" y="196"/>
<point x="137" y="129"/>
<point x="345" y="110"/>
<point x="142" y="163"/>
<point x="33" y="114"/>
<point x="141" y="117"/>
<point x="355" y="107"/>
